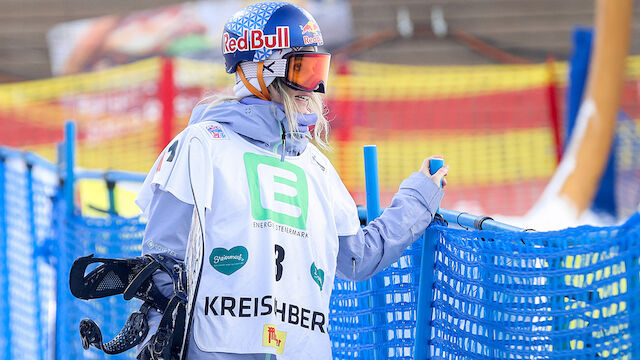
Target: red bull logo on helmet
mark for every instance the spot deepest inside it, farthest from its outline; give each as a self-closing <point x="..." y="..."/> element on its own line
<point x="312" y="29"/>
<point x="309" y="27"/>
<point x="256" y="39"/>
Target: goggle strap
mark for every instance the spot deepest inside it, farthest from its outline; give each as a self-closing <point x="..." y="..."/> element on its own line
<point x="251" y="88"/>
<point x="277" y="68"/>
<point x="263" y="86"/>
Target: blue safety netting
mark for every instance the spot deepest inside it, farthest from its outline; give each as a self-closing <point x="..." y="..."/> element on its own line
<point x="571" y="294"/>
<point x="568" y="294"/>
<point x="376" y="319"/>
<point x="27" y="276"/>
<point x="110" y="237"/>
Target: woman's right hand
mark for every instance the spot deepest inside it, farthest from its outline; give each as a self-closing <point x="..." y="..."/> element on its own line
<point x="440" y="175"/>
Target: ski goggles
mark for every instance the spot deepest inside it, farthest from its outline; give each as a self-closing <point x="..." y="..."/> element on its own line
<point x="307" y="71"/>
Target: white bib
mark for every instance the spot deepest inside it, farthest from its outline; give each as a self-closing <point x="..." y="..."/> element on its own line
<point x="271" y="245"/>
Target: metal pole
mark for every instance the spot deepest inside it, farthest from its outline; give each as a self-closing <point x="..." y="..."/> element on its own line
<point x="469" y="221"/>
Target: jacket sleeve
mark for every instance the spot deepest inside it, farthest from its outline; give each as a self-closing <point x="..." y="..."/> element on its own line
<point x="383" y="240"/>
<point x="167" y="232"/>
<point x="168" y="224"/>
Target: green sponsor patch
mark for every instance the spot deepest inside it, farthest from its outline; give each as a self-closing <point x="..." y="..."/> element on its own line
<point x="279" y="190"/>
<point x="317" y="275"/>
<point x="228" y="261"/>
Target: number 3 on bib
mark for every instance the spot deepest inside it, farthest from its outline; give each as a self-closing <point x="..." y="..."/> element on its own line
<point x="279" y="257"/>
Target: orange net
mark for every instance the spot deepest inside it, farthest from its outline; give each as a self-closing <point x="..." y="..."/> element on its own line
<point x="493" y="123"/>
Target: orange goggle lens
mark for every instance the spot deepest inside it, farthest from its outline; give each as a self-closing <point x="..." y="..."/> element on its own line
<point x="308" y="71"/>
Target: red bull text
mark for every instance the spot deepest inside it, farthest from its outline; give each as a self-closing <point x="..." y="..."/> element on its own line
<point x="312" y="29"/>
<point x="256" y="39"/>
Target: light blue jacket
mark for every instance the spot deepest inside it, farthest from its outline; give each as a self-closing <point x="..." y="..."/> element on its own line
<point x="360" y="256"/>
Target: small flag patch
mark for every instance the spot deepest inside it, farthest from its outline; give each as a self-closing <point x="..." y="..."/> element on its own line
<point x="216" y="131"/>
<point x="273" y="338"/>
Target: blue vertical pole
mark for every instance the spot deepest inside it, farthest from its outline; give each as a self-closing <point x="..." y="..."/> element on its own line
<point x="425" y="287"/>
<point x="578" y="70"/>
<point x="69" y="156"/>
<point x="63" y="294"/>
<point x="371" y="181"/>
<point x="5" y="309"/>
<point x="425" y="295"/>
<point x="373" y="211"/>
<point x="34" y="242"/>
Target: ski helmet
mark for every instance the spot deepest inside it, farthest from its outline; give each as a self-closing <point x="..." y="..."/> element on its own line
<point x="253" y="33"/>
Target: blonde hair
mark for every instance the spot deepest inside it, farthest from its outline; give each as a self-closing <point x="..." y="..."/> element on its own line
<point x="316" y="105"/>
<point x="214" y="100"/>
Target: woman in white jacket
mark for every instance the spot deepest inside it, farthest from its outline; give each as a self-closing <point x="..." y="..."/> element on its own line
<point x="279" y="223"/>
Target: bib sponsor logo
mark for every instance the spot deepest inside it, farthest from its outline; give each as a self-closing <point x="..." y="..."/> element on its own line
<point x="273" y="338"/>
<point x="256" y="40"/>
<point x="266" y="306"/>
<point x="268" y="224"/>
<point x="311" y="33"/>
<point x="216" y="132"/>
<point x="317" y="275"/>
<point x="228" y="261"/>
<point x="279" y="191"/>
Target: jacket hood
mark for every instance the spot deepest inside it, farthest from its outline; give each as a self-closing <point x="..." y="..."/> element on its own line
<point x="263" y="123"/>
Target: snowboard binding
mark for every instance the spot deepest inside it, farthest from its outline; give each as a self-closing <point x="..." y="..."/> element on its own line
<point x="132" y="277"/>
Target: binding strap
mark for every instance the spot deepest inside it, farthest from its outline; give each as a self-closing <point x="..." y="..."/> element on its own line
<point x="166" y="343"/>
<point x="130" y="277"/>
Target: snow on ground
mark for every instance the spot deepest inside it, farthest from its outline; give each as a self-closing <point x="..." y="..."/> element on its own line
<point x="555" y="213"/>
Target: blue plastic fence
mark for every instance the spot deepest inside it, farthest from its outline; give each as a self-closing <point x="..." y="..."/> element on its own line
<point x="571" y="294"/>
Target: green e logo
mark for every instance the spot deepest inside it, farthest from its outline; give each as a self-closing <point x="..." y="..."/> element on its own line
<point x="278" y="190"/>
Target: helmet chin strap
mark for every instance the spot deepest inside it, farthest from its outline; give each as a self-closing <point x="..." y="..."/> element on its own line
<point x="264" y="94"/>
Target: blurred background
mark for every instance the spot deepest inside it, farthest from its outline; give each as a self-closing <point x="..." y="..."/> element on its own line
<point x="528" y="30"/>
